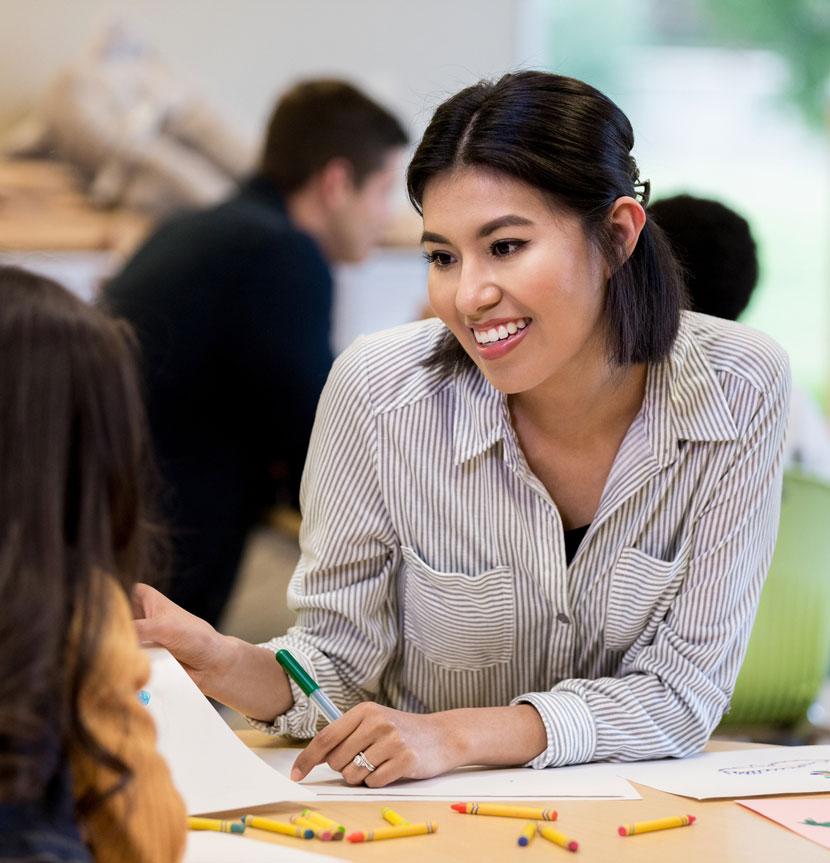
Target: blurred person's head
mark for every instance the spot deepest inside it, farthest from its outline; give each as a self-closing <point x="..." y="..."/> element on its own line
<point x="334" y="154"/>
<point x="530" y="183"/>
<point x="74" y="464"/>
<point x="715" y="247"/>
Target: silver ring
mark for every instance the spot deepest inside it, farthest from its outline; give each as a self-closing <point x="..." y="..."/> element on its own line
<point x="360" y="760"/>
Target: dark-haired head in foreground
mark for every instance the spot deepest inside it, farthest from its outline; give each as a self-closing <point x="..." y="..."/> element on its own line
<point x="74" y="468"/>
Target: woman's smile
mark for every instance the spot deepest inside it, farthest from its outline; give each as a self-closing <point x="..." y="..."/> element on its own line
<point x="494" y="339"/>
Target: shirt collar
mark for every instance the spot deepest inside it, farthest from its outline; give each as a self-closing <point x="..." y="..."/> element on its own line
<point x="480" y="415"/>
<point x="683" y="402"/>
<point x="259" y="186"/>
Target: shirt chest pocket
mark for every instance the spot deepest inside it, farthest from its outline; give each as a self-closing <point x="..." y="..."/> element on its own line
<point x="641" y="591"/>
<point x="455" y="620"/>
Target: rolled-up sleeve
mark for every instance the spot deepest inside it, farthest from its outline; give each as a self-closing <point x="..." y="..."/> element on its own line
<point x="670" y="694"/>
<point x="342" y="589"/>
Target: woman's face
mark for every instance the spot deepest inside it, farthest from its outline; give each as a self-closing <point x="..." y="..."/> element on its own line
<point x="518" y="283"/>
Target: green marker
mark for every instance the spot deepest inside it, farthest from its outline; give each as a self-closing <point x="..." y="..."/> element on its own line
<point x="309" y="686"/>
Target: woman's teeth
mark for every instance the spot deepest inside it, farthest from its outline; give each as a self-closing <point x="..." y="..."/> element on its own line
<point x="502" y="331"/>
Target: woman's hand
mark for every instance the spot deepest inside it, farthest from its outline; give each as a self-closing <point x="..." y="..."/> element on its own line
<point x="193" y="641"/>
<point x="400" y="746"/>
<point x="238" y="674"/>
<point x="417" y="746"/>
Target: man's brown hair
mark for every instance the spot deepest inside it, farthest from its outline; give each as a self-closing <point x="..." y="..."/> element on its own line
<point x="324" y="119"/>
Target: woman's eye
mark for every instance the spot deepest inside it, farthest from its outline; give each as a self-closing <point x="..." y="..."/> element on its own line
<point x="440" y="259"/>
<point x="503" y="248"/>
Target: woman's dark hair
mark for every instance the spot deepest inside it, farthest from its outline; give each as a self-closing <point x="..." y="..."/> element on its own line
<point x="572" y="143"/>
<point x="324" y="119"/>
<point x="74" y="467"/>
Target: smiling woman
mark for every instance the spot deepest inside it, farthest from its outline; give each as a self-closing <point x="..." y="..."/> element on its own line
<point x="535" y="531"/>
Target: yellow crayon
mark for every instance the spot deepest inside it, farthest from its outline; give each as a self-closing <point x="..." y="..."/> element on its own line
<point x="657" y="824"/>
<point x="216" y="824"/>
<point x="393" y="832"/>
<point x="277" y="827"/>
<point x="320" y="832"/>
<point x="527" y="834"/>
<point x="392" y="817"/>
<point x="505" y="811"/>
<point x="560" y="839"/>
<point x="338" y="831"/>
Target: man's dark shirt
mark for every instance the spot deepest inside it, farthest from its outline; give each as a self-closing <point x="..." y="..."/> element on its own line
<point x="232" y="307"/>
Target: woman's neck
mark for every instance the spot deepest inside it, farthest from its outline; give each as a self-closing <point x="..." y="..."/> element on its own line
<point x="587" y="402"/>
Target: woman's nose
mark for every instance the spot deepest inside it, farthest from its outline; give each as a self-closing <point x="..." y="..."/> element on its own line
<point x="476" y="293"/>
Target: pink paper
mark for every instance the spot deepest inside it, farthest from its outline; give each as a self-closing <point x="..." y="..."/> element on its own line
<point x="795" y="813"/>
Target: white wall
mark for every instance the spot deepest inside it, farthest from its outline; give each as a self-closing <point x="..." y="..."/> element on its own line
<point x="241" y="53"/>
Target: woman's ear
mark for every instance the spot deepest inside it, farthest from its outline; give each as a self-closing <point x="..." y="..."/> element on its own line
<point x="627" y="218"/>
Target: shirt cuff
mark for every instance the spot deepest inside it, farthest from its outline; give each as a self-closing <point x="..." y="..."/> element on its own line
<point x="569" y="725"/>
<point x="302" y="719"/>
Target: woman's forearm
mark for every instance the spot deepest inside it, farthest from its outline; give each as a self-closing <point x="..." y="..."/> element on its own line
<point x="248" y="679"/>
<point x="494" y="736"/>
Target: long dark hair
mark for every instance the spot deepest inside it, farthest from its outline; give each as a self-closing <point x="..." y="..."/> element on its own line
<point x="568" y="140"/>
<point x="74" y="466"/>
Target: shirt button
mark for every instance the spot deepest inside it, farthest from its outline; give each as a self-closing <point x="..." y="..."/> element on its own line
<point x="563" y="618"/>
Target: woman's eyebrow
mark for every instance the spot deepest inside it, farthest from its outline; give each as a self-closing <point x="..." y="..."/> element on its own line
<point x="485" y="230"/>
<point x="508" y="221"/>
<point x="429" y="237"/>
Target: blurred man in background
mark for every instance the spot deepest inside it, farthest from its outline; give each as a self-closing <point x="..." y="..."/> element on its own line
<point x="232" y="307"/>
<point x="715" y="246"/>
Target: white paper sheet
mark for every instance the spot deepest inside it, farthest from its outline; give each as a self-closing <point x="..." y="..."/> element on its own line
<point x="592" y="781"/>
<point x="212" y="768"/>
<point x="204" y="846"/>
<point x="739" y="773"/>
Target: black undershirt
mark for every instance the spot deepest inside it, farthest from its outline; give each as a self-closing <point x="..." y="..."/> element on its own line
<point x="573" y="538"/>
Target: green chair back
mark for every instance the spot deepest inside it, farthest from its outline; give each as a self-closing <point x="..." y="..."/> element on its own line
<point x="787" y="657"/>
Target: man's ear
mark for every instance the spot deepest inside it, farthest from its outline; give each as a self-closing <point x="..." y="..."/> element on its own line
<point x="336" y="182"/>
<point x="627" y="218"/>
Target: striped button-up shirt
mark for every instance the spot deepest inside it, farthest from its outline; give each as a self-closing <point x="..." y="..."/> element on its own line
<point x="433" y="571"/>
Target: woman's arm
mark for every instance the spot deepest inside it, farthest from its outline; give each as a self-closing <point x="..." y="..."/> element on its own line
<point x="417" y="746"/>
<point x="343" y="586"/>
<point x="669" y="695"/>
<point x="234" y="672"/>
<point x="145" y="822"/>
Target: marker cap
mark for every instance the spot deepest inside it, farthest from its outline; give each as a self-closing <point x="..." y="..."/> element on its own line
<point x="296" y="671"/>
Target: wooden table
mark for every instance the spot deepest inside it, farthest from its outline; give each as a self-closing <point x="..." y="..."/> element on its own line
<point x="43" y="209"/>
<point x="724" y="833"/>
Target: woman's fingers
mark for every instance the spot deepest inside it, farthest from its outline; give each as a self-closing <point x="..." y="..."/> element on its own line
<point x="342" y="754"/>
<point x="146" y="600"/>
<point x="378" y="755"/>
<point x="330" y="737"/>
<point x="193" y="641"/>
<point x="386" y="773"/>
<point x="397" y="744"/>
